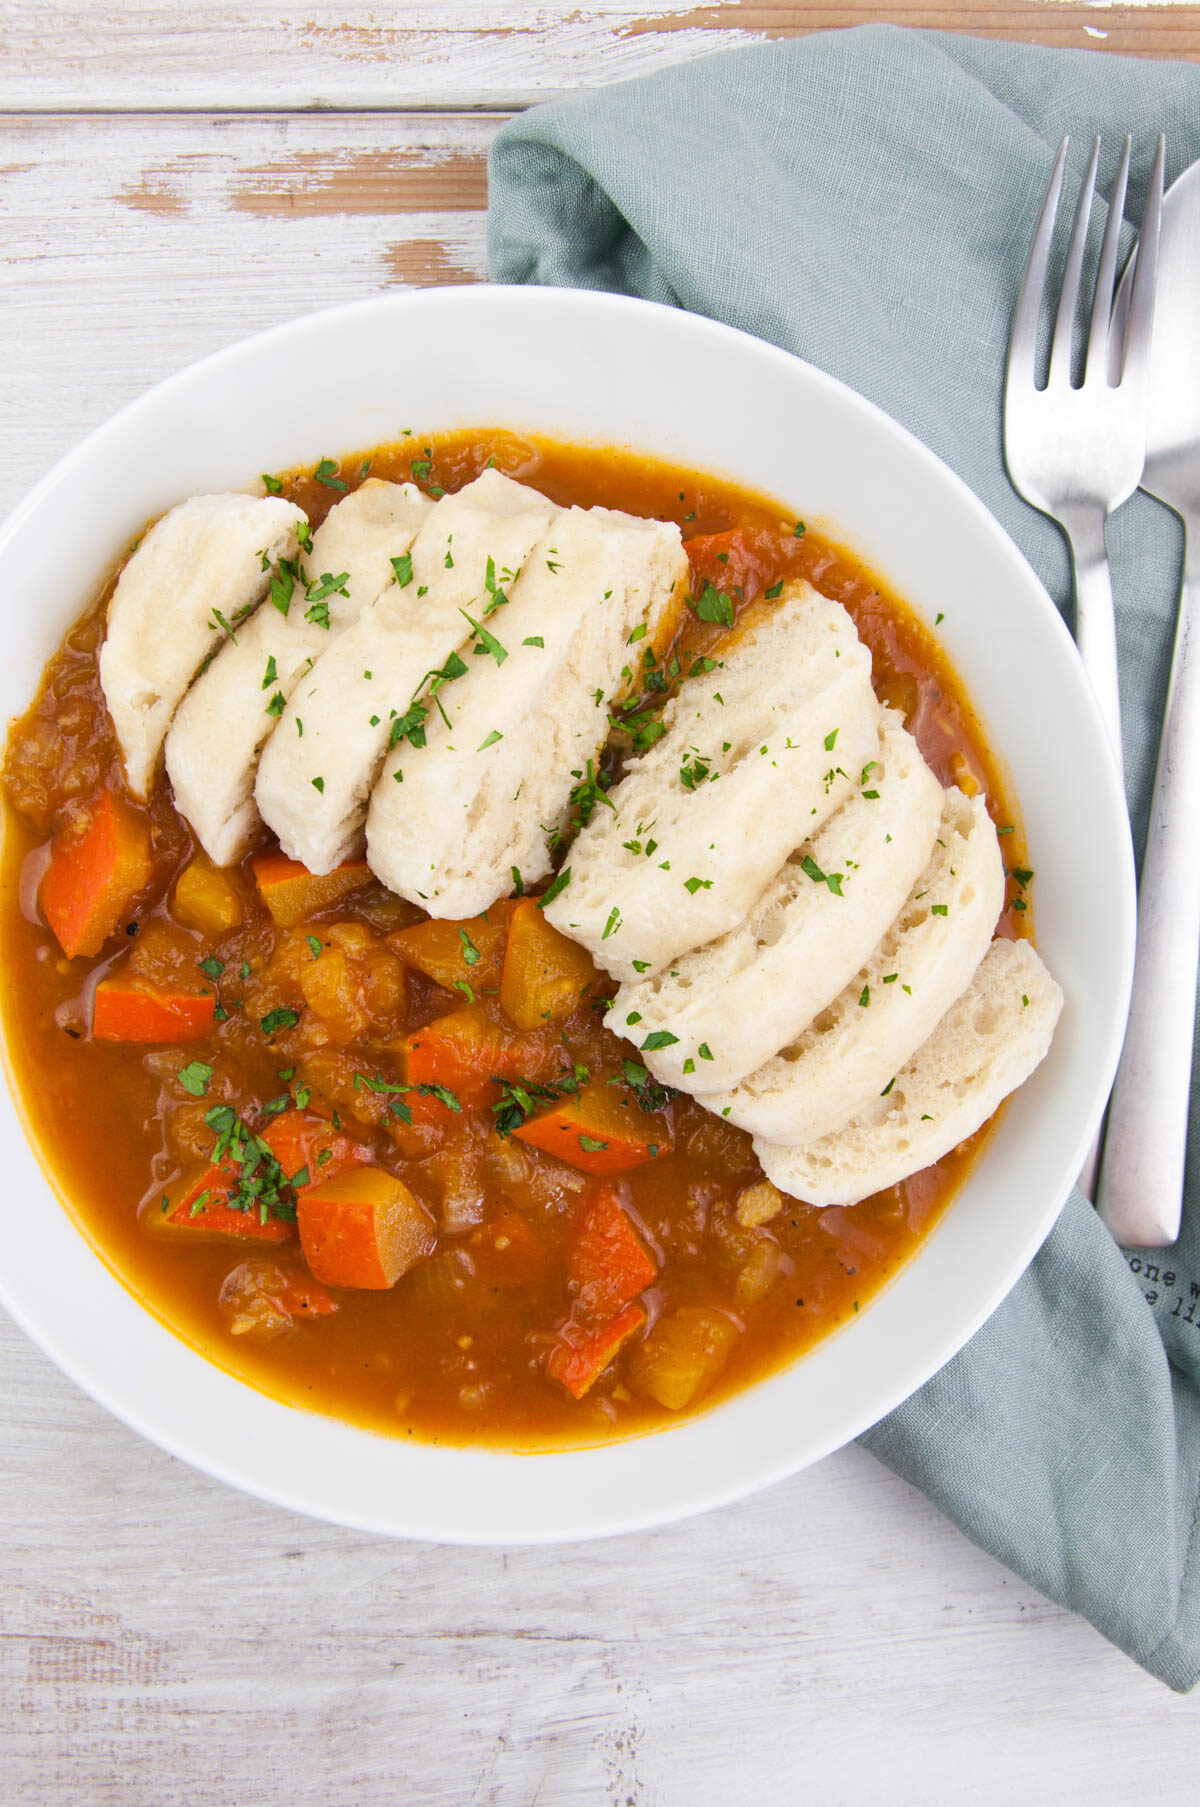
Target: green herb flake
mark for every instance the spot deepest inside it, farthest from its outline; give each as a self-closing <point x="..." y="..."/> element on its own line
<point x="278" y="1019"/>
<point x="590" y="1145"/>
<point x="270" y="675"/>
<point x="939" y="910"/>
<point x="470" y="953"/>
<point x="557" y="884"/>
<point x="194" y="1078"/>
<point x="326" y="473"/>
<point x="712" y="605"/>
<point x="697" y="884"/>
<point x="775" y="591"/>
<point x="272" y="485"/>
<point x="491" y="740"/>
<point x="658" y="1038"/>
<point x="318" y="784"/>
<point x="316" y="946"/>
<point x="212" y="968"/>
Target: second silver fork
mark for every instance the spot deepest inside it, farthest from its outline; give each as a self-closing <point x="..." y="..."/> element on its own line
<point x="1077" y="451"/>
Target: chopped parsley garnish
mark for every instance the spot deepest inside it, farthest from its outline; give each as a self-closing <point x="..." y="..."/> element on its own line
<point x="470" y="953"/>
<point x="488" y="643"/>
<point x="318" y="784"/>
<point x="282" y="585"/>
<point x="658" y="1038"/>
<point x="533" y="640"/>
<point x="557" y="884"/>
<point x="864" y="997"/>
<point x="272" y="485"/>
<point x="315" y="946"/>
<point x="713" y="606"/>
<point x="799" y="530"/>
<point x="887" y="1088"/>
<point x="830" y="739"/>
<point x="613" y="923"/>
<point x="697" y="884"/>
<point x="938" y="910"/>
<point x="326" y="473"/>
<point x="212" y="968"/>
<point x="590" y="1145"/>
<point x="704" y="1051"/>
<point x="277" y="704"/>
<point x="420" y="468"/>
<point x="518" y="881"/>
<point x="695" y="769"/>
<point x="318" y="614"/>
<point x="278" y="1019"/>
<point x="194" y="1077"/>
<point x="270" y="675"/>
<point x="491" y="740"/>
<point x="402" y="566"/>
<point x="220" y="621"/>
<point x="833" y="879"/>
<point x="650" y="1095"/>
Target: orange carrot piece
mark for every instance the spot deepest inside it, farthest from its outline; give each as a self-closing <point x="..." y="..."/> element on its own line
<point x="200" y="1207"/>
<point x="363" y="1229"/>
<point x="744" y="559"/>
<point x="600" y="1129"/>
<point x="608" y="1264"/>
<point x="580" y="1356"/>
<point x="470" y="952"/>
<point x="124" y="1011"/>
<point x="291" y="892"/>
<point x="303" y="1142"/>
<point x="461" y="1051"/>
<point x="545" y="974"/>
<point x="93" y="876"/>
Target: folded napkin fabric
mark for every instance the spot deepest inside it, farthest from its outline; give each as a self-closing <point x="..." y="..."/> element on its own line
<point x="865" y="199"/>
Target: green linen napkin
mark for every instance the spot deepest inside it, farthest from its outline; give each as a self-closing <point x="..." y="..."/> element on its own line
<point x="865" y="199"/>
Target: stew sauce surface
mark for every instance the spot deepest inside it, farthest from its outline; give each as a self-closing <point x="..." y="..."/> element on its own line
<point x="456" y="1352"/>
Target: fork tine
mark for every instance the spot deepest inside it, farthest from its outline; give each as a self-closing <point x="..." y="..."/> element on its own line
<point x="1064" y="325"/>
<point x="1145" y="277"/>
<point x="1097" y="348"/>
<point x="1022" y="354"/>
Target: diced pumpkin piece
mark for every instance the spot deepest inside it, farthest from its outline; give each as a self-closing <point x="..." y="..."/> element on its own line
<point x="96" y="870"/>
<point x="462" y="1051"/>
<point x="682" y="1356"/>
<point x="207" y="899"/>
<point x="545" y="974"/>
<point x="304" y="1143"/>
<point x="262" y="1299"/>
<point x="458" y="953"/>
<point x="200" y="1207"/>
<point x="363" y="1229"/>
<point x="126" y="1011"/>
<point x="580" y="1356"/>
<point x="599" y="1129"/>
<point x="291" y="892"/>
<point x="607" y="1264"/>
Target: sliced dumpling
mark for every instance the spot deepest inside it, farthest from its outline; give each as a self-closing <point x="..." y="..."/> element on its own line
<point x="756" y="755"/>
<point x="319" y="767"/>
<point x="986" y="1045"/>
<point x="214" y="743"/>
<point x="197" y="573"/>
<point x="450" y="821"/>
<point x="845" y="1058"/>
<point x="731" y="1004"/>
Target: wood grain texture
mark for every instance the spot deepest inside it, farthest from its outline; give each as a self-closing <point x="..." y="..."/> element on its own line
<point x="470" y="53"/>
<point x="833" y="1640"/>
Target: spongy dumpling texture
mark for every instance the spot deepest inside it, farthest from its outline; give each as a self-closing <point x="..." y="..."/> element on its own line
<point x="986" y="1045"/>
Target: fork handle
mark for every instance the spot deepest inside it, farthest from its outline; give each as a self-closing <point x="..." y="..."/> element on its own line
<point x="1095" y="623"/>
<point x="1141" y="1177"/>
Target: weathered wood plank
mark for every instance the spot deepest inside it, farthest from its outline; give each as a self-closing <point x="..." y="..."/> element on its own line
<point x="134" y="245"/>
<point x="471" y="53"/>
<point x="165" y="1640"/>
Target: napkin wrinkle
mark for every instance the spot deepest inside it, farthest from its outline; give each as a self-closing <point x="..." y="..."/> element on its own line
<point x="865" y="199"/>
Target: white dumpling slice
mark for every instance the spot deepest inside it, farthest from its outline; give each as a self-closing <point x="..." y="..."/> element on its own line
<point x="782" y="729"/>
<point x="215" y="742"/>
<point x="209" y="558"/>
<point x="986" y="1045"/>
<point x="318" y="769"/>
<point x="451" y="821"/>
<point x="847" y="1056"/>
<point x="733" y="1003"/>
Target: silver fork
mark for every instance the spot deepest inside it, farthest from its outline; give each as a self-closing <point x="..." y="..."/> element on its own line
<point x="1077" y="452"/>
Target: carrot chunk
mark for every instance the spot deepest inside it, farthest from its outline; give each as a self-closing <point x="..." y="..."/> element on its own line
<point x="580" y="1356"/>
<point x="744" y="559"/>
<point x="302" y="1142"/>
<point x="363" y="1229"/>
<point x="545" y="974"/>
<point x="462" y="1051"/>
<point x="124" y="1011"/>
<point x="455" y="954"/>
<point x="607" y="1264"/>
<point x="207" y="899"/>
<point x="94" y="874"/>
<point x="600" y="1129"/>
<point x="200" y="1206"/>
<point x="291" y="892"/>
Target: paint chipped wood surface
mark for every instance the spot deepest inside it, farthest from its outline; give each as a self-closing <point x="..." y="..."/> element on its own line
<point x="471" y="53"/>
<point x="163" y="1640"/>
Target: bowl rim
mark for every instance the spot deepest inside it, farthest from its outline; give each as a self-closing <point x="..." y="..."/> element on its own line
<point x="35" y="1313"/>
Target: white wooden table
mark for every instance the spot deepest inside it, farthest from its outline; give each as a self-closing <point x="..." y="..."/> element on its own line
<point x="170" y="180"/>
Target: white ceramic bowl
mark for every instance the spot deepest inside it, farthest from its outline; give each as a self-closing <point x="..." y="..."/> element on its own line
<point x="597" y="367"/>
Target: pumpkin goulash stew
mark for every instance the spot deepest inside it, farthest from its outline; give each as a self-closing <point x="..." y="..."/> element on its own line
<point x="412" y="1170"/>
